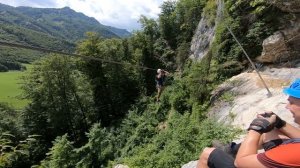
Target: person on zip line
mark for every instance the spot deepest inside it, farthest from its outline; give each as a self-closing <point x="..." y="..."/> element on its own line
<point x="279" y="139"/>
<point x="160" y="79"/>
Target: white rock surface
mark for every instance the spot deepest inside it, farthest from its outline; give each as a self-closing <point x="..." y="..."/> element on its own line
<point x="191" y="164"/>
<point x="251" y="97"/>
<point x="121" y="166"/>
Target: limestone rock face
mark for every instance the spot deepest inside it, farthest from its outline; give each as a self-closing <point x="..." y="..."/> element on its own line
<point x="249" y="96"/>
<point x="201" y="40"/>
<point x="282" y="46"/>
<point x="204" y="34"/>
<point x="287" y="5"/>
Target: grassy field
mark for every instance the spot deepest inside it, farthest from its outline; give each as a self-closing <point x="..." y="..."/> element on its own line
<point x="10" y="88"/>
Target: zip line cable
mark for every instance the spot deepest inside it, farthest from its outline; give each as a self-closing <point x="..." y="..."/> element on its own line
<point x="15" y="45"/>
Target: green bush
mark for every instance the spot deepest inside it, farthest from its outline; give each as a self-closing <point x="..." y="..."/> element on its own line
<point x="61" y="154"/>
<point x="181" y="141"/>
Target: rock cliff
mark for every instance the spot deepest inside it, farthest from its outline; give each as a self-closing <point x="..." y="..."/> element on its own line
<point x="284" y="45"/>
<point x="204" y="34"/>
<point x="248" y="95"/>
<point x="287" y="5"/>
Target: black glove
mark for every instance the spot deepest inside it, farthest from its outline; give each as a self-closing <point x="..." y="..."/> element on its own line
<point x="279" y="123"/>
<point x="261" y="125"/>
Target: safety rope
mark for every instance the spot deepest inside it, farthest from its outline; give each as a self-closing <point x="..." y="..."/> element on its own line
<point x="252" y="64"/>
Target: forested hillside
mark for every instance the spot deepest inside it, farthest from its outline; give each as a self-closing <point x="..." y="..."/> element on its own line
<point x="57" y="29"/>
<point x="89" y="113"/>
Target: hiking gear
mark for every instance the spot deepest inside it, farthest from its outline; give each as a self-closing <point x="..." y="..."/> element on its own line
<point x="285" y="155"/>
<point x="229" y="148"/>
<point x="294" y="140"/>
<point x="261" y="125"/>
<point x="279" y="123"/>
<point x="294" y="89"/>
<point x="220" y="159"/>
<point x="273" y="143"/>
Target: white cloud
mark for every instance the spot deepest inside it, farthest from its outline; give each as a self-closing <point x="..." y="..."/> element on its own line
<point x="117" y="13"/>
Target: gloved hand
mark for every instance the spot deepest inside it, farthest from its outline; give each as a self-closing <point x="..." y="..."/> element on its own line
<point x="279" y="123"/>
<point x="261" y="125"/>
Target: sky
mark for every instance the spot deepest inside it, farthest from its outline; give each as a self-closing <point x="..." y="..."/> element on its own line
<point x="122" y="14"/>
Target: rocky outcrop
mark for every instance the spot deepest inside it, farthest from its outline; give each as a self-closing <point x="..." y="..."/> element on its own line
<point x="191" y="164"/>
<point x="204" y="34"/>
<point x="121" y="166"/>
<point x="249" y="96"/>
<point x="282" y="46"/>
<point x="287" y="5"/>
<point x="201" y="40"/>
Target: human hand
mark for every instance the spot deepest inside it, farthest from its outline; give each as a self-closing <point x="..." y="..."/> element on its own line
<point x="166" y="72"/>
<point x="279" y="123"/>
<point x="262" y="124"/>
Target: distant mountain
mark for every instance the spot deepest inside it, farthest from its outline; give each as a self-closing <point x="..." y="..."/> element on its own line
<point x="57" y="29"/>
<point x="62" y="23"/>
<point x="120" y="32"/>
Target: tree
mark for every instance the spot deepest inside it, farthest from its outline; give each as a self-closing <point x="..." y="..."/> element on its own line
<point x="114" y="86"/>
<point x="60" y="99"/>
<point x="99" y="149"/>
<point x="10" y="121"/>
<point x="61" y="154"/>
<point x="169" y="27"/>
<point x="94" y="70"/>
<point x="188" y="15"/>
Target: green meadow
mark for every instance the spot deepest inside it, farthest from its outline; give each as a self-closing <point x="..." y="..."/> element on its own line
<point x="10" y="91"/>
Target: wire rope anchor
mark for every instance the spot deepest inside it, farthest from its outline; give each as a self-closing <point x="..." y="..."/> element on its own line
<point x="269" y="94"/>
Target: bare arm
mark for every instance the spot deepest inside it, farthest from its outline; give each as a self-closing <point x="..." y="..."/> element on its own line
<point x="290" y="131"/>
<point x="166" y="72"/>
<point x="158" y="76"/>
<point x="247" y="154"/>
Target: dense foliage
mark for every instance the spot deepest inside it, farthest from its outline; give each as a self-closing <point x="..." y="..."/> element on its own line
<point x="251" y="22"/>
<point x="92" y="113"/>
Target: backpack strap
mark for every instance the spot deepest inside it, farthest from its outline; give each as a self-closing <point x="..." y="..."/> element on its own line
<point x="294" y="140"/>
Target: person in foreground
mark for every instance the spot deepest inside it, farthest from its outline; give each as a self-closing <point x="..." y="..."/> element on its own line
<point x="280" y="140"/>
<point x="160" y="79"/>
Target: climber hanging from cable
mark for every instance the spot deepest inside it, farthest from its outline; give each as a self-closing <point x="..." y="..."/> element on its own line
<point x="160" y="79"/>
